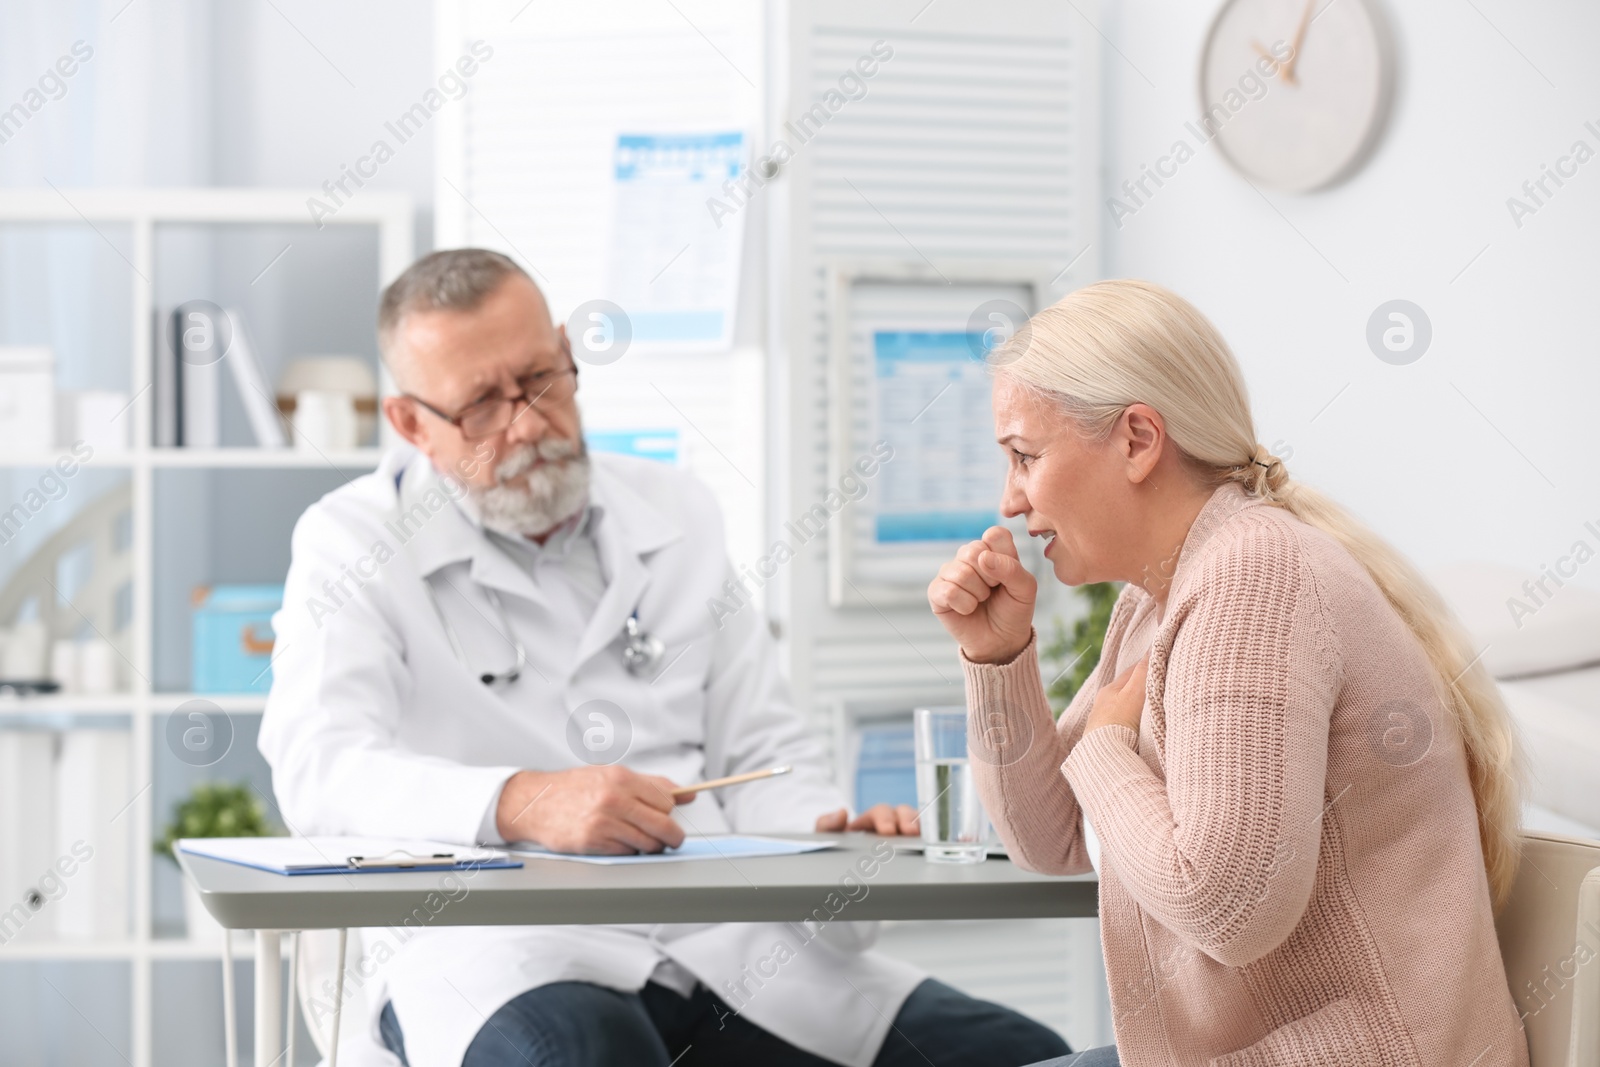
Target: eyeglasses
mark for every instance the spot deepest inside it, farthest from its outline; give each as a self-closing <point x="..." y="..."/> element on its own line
<point x="546" y="391"/>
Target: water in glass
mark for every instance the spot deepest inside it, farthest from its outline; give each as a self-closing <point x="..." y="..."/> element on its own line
<point x="954" y="827"/>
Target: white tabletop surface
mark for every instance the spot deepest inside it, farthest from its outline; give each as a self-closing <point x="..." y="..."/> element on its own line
<point x="543" y="891"/>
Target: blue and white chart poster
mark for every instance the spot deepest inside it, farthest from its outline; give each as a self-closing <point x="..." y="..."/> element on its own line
<point x="933" y="408"/>
<point x="659" y="445"/>
<point x="673" y="260"/>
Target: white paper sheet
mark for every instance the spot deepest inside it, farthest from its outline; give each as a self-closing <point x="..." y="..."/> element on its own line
<point x="711" y="847"/>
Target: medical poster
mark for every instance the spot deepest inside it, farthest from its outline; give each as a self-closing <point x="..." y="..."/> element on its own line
<point x="910" y="389"/>
<point x="673" y="260"/>
<point x="933" y="407"/>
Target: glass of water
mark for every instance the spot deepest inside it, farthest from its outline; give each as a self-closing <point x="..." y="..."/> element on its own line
<point x="954" y="827"/>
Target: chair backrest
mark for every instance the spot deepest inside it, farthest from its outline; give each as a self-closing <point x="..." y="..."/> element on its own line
<point x="1550" y="940"/>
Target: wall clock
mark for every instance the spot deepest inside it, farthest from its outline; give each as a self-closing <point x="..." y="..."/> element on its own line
<point x="1295" y="92"/>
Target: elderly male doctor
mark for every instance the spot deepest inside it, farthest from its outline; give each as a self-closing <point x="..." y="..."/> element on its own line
<point x="452" y="626"/>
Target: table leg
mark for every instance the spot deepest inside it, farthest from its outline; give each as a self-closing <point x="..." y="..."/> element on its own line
<point x="230" y="1026"/>
<point x="338" y="1001"/>
<point x="269" y="996"/>
<point x="293" y="996"/>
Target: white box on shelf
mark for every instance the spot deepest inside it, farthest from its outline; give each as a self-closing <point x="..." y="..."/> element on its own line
<point x="27" y="399"/>
<point x="98" y="417"/>
<point x="27" y="835"/>
<point x="26" y="656"/>
<point x="93" y="776"/>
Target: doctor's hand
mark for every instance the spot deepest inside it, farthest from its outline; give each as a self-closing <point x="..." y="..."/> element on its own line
<point x="608" y="811"/>
<point x="880" y="819"/>
<point x="985" y="598"/>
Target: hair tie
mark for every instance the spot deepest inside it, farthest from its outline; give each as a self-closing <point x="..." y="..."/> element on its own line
<point x="1263" y="477"/>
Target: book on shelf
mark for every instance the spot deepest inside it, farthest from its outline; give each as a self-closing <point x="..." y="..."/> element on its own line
<point x="167" y="410"/>
<point x="188" y="378"/>
<point x="251" y="383"/>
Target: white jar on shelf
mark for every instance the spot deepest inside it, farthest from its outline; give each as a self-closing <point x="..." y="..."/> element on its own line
<point x="325" y="420"/>
<point x="97" y="667"/>
<point x="65" y="664"/>
<point x="349" y="375"/>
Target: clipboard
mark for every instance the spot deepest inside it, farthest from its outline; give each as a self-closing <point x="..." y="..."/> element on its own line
<point x="294" y="856"/>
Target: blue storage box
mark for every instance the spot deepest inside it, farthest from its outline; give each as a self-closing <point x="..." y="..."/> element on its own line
<point x="232" y="651"/>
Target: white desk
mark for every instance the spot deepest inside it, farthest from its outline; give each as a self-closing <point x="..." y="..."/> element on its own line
<point x="771" y="889"/>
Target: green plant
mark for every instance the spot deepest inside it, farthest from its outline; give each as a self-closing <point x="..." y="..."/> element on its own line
<point x="216" y="809"/>
<point x="1069" y="658"/>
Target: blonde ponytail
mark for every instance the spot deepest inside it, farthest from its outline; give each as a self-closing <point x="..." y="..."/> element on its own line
<point x="1116" y="343"/>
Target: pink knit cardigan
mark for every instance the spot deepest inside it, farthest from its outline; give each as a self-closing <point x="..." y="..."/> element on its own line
<point x="1290" y="867"/>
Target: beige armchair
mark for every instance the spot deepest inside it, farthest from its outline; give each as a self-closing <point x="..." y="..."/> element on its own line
<point x="1550" y="939"/>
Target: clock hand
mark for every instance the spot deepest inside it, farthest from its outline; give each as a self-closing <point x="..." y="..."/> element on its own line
<point x="1278" y="65"/>
<point x="1299" y="36"/>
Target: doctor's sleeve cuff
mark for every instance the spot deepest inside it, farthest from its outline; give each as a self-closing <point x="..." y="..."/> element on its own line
<point x="489" y="829"/>
<point x="464" y="803"/>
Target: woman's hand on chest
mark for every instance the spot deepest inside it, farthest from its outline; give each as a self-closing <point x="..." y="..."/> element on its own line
<point x="1120" y="702"/>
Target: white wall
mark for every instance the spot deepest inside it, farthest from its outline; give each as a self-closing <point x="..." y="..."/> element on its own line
<point x="1474" y="118"/>
<point x="1514" y="334"/>
<point x="1403" y="446"/>
<point x="304" y="87"/>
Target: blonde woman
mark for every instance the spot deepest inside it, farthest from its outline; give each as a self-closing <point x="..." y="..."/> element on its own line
<point x="1304" y="789"/>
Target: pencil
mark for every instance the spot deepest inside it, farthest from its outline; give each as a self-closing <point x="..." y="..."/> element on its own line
<point x="718" y="783"/>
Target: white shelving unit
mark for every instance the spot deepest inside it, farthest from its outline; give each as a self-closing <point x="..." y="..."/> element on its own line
<point x="143" y="210"/>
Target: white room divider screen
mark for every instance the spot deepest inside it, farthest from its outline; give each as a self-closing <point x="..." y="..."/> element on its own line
<point x="973" y="142"/>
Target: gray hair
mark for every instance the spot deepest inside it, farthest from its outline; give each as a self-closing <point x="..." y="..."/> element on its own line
<point x="456" y="279"/>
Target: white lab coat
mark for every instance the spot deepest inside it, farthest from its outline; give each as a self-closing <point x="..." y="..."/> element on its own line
<point x="375" y="727"/>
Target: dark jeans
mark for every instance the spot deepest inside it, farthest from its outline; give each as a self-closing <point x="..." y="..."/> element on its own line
<point x="578" y="1024"/>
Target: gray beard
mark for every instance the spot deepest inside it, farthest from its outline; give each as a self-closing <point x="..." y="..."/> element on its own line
<point x="529" y="503"/>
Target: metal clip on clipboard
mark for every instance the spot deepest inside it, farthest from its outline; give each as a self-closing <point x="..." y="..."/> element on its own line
<point x="408" y="860"/>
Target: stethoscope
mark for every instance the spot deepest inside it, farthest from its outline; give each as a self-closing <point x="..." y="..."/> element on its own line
<point x="641" y="652"/>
